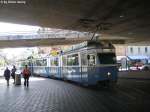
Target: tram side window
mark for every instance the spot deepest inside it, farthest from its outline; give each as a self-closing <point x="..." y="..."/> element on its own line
<point x="54" y="61"/>
<point x="73" y="60"/>
<point x="38" y="63"/>
<point x="44" y="62"/>
<point x="107" y="58"/>
<point x="41" y="62"/>
<point x="83" y="59"/>
<point x="23" y="63"/>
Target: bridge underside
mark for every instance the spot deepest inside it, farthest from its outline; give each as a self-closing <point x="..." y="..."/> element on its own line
<point x="46" y="42"/>
<point x="60" y="41"/>
<point x="123" y="19"/>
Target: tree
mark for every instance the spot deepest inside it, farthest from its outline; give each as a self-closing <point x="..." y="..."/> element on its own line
<point x="3" y="59"/>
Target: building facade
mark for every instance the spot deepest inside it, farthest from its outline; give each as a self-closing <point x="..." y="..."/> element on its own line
<point x="139" y="52"/>
<point x="133" y="52"/>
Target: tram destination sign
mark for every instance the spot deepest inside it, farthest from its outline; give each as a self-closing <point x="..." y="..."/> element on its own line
<point x="77" y="46"/>
<point x="81" y="45"/>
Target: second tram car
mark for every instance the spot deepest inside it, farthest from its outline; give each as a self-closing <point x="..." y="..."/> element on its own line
<point x="87" y="63"/>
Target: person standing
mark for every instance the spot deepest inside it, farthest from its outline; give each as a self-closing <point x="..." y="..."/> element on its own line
<point x="13" y="71"/>
<point x="7" y="75"/>
<point x="26" y="75"/>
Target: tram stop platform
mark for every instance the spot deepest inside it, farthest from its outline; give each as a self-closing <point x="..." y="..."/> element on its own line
<point x="48" y="95"/>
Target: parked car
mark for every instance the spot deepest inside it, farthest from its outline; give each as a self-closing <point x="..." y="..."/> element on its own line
<point x="136" y="66"/>
<point x="140" y="67"/>
<point x="145" y="67"/>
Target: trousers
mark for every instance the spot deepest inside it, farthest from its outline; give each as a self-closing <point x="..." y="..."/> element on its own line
<point x="26" y="81"/>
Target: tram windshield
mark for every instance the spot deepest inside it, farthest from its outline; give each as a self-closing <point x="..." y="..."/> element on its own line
<point x="107" y="58"/>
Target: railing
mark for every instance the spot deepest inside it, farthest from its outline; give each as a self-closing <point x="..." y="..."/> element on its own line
<point x="45" y="35"/>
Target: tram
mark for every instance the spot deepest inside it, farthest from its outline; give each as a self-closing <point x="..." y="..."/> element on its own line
<point x="88" y="63"/>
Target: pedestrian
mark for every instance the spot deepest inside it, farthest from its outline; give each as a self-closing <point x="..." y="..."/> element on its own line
<point x="7" y="75"/>
<point x="26" y="75"/>
<point x="13" y="71"/>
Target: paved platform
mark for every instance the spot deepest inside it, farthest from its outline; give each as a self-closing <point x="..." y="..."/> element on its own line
<point x="135" y="74"/>
<point x="48" y="95"/>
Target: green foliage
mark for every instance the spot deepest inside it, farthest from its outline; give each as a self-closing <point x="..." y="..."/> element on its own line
<point x="2" y="62"/>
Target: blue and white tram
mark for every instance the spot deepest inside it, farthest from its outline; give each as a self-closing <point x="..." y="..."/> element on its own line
<point x="40" y="67"/>
<point x="87" y="63"/>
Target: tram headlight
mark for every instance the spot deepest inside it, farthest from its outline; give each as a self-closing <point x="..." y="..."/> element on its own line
<point x="109" y="74"/>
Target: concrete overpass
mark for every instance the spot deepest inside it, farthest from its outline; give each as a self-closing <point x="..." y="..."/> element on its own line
<point x="38" y="42"/>
<point x="47" y="40"/>
<point x="114" y="19"/>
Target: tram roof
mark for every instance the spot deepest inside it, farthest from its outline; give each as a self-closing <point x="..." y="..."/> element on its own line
<point x="87" y="44"/>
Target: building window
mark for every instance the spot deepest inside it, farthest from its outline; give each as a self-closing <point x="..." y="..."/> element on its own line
<point x="139" y="50"/>
<point x="146" y="50"/>
<point x="131" y="50"/>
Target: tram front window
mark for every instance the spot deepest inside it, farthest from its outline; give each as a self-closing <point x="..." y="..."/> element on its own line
<point x="107" y="58"/>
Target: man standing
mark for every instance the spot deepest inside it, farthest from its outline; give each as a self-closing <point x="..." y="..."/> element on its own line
<point x="26" y="75"/>
<point x="13" y="73"/>
<point x="7" y="75"/>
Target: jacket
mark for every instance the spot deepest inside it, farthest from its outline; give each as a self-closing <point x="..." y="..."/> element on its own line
<point x="7" y="74"/>
<point x="26" y="73"/>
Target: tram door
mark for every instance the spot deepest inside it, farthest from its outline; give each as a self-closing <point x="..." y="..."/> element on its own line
<point x="84" y="67"/>
<point x="91" y="59"/>
<point x="91" y="67"/>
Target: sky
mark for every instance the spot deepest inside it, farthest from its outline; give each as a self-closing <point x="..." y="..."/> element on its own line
<point x="17" y="52"/>
<point x="10" y="28"/>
